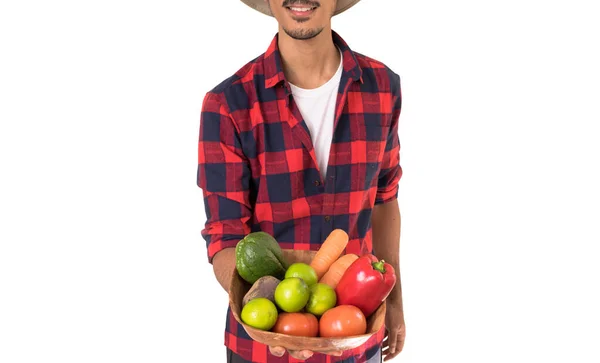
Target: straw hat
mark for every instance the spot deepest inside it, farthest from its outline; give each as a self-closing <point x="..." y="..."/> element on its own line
<point x="263" y="7"/>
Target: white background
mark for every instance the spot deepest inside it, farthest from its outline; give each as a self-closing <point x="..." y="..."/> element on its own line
<point x="101" y="258"/>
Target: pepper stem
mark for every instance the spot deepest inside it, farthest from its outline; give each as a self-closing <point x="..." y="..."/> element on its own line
<point x="379" y="266"/>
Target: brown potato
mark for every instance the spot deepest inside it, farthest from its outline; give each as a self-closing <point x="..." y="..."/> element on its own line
<point x="263" y="287"/>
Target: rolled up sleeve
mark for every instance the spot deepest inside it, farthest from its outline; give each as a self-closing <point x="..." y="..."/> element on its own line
<point x="391" y="171"/>
<point x="224" y="176"/>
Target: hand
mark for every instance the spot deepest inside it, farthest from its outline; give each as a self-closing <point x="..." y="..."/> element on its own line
<point x="298" y="354"/>
<point x="395" y="330"/>
<point x="224" y="266"/>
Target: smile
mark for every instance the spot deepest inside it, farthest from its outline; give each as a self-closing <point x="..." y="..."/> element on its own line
<point x="301" y="10"/>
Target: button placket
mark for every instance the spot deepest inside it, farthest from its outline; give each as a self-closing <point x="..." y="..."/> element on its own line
<point x="328" y="205"/>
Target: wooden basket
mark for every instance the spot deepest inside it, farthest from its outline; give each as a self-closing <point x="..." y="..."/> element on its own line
<point x="239" y="288"/>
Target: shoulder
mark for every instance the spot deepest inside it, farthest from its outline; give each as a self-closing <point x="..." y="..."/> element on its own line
<point x="377" y="71"/>
<point x="232" y="90"/>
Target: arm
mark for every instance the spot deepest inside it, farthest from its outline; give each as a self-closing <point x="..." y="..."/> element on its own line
<point x="385" y="219"/>
<point x="224" y="177"/>
<point x="386" y="226"/>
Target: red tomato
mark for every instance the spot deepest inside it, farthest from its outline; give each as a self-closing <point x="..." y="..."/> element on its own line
<point x="298" y="324"/>
<point x="342" y="321"/>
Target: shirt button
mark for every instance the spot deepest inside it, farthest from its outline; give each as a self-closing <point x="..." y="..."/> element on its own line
<point x="317" y="183"/>
<point x="327" y="218"/>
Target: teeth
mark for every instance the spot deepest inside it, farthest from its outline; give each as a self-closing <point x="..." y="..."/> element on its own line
<point x="301" y="9"/>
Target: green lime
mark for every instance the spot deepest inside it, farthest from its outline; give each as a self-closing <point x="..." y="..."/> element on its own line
<point x="292" y="294"/>
<point x="260" y="313"/>
<point x="322" y="298"/>
<point x="303" y="271"/>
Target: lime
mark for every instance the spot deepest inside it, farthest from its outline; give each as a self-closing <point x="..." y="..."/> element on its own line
<point x="322" y="298"/>
<point x="303" y="271"/>
<point x="292" y="294"/>
<point x="260" y="313"/>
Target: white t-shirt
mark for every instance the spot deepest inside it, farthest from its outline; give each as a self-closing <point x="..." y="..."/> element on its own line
<point x="317" y="106"/>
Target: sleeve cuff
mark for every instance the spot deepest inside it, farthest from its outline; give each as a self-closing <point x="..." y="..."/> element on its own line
<point x="386" y="196"/>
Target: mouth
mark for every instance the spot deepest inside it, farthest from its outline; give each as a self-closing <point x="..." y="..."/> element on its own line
<point x="301" y="11"/>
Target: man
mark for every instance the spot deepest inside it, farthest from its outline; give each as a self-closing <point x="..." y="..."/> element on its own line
<point x="298" y="142"/>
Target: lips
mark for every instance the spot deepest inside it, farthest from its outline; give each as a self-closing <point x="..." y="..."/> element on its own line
<point x="301" y="10"/>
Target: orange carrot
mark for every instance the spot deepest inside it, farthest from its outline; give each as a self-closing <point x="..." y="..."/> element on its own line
<point x="329" y="251"/>
<point x="336" y="271"/>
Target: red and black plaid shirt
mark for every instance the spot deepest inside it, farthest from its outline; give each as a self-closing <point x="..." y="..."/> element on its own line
<point x="258" y="171"/>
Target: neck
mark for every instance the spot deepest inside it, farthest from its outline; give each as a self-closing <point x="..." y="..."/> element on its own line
<point x="308" y="63"/>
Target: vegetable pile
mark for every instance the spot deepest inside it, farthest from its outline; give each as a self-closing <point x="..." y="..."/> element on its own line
<point x="331" y="297"/>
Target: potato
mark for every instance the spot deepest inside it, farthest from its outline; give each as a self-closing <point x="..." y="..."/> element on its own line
<point x="263" y="287"/>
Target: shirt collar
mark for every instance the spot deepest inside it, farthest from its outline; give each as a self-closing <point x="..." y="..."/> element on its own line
<point x="273" y="69"/>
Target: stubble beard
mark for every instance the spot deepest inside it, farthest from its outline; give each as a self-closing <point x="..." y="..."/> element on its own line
<point x="303" y="34"/>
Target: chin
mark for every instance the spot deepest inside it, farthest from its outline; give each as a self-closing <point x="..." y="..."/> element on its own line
<point x="303" y="33"/>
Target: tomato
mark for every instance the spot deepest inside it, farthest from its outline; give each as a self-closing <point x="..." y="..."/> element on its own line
<point x="298" y="324"/>
<point x="343" y="321"/>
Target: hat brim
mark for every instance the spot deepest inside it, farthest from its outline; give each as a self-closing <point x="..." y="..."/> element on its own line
<point x="263" y="7"/>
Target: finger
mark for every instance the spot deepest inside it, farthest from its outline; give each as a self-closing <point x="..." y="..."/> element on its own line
<point x="385" y="348"/>
<point x="277" y="351"/>
<point x="401" y="339"/>
<point x="301" y="354"/>
<point x="392" y="341"/>
<point x="386" y="340"/>
<point x="390" y="356"/>
<point x="399" y="345"/>
<point x="384" y="354"/>
<point x="335" y="353"/>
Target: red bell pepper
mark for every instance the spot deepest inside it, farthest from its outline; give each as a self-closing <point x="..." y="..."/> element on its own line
<point x="366" y="284"/>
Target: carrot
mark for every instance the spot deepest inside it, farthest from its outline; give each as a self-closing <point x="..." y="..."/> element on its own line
<point x="329" y="251"/>
<point x="336" y="271"/>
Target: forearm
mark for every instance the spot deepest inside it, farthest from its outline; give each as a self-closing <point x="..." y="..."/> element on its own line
<point x="224" y="266"/>
<point x="386" y="225"/>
